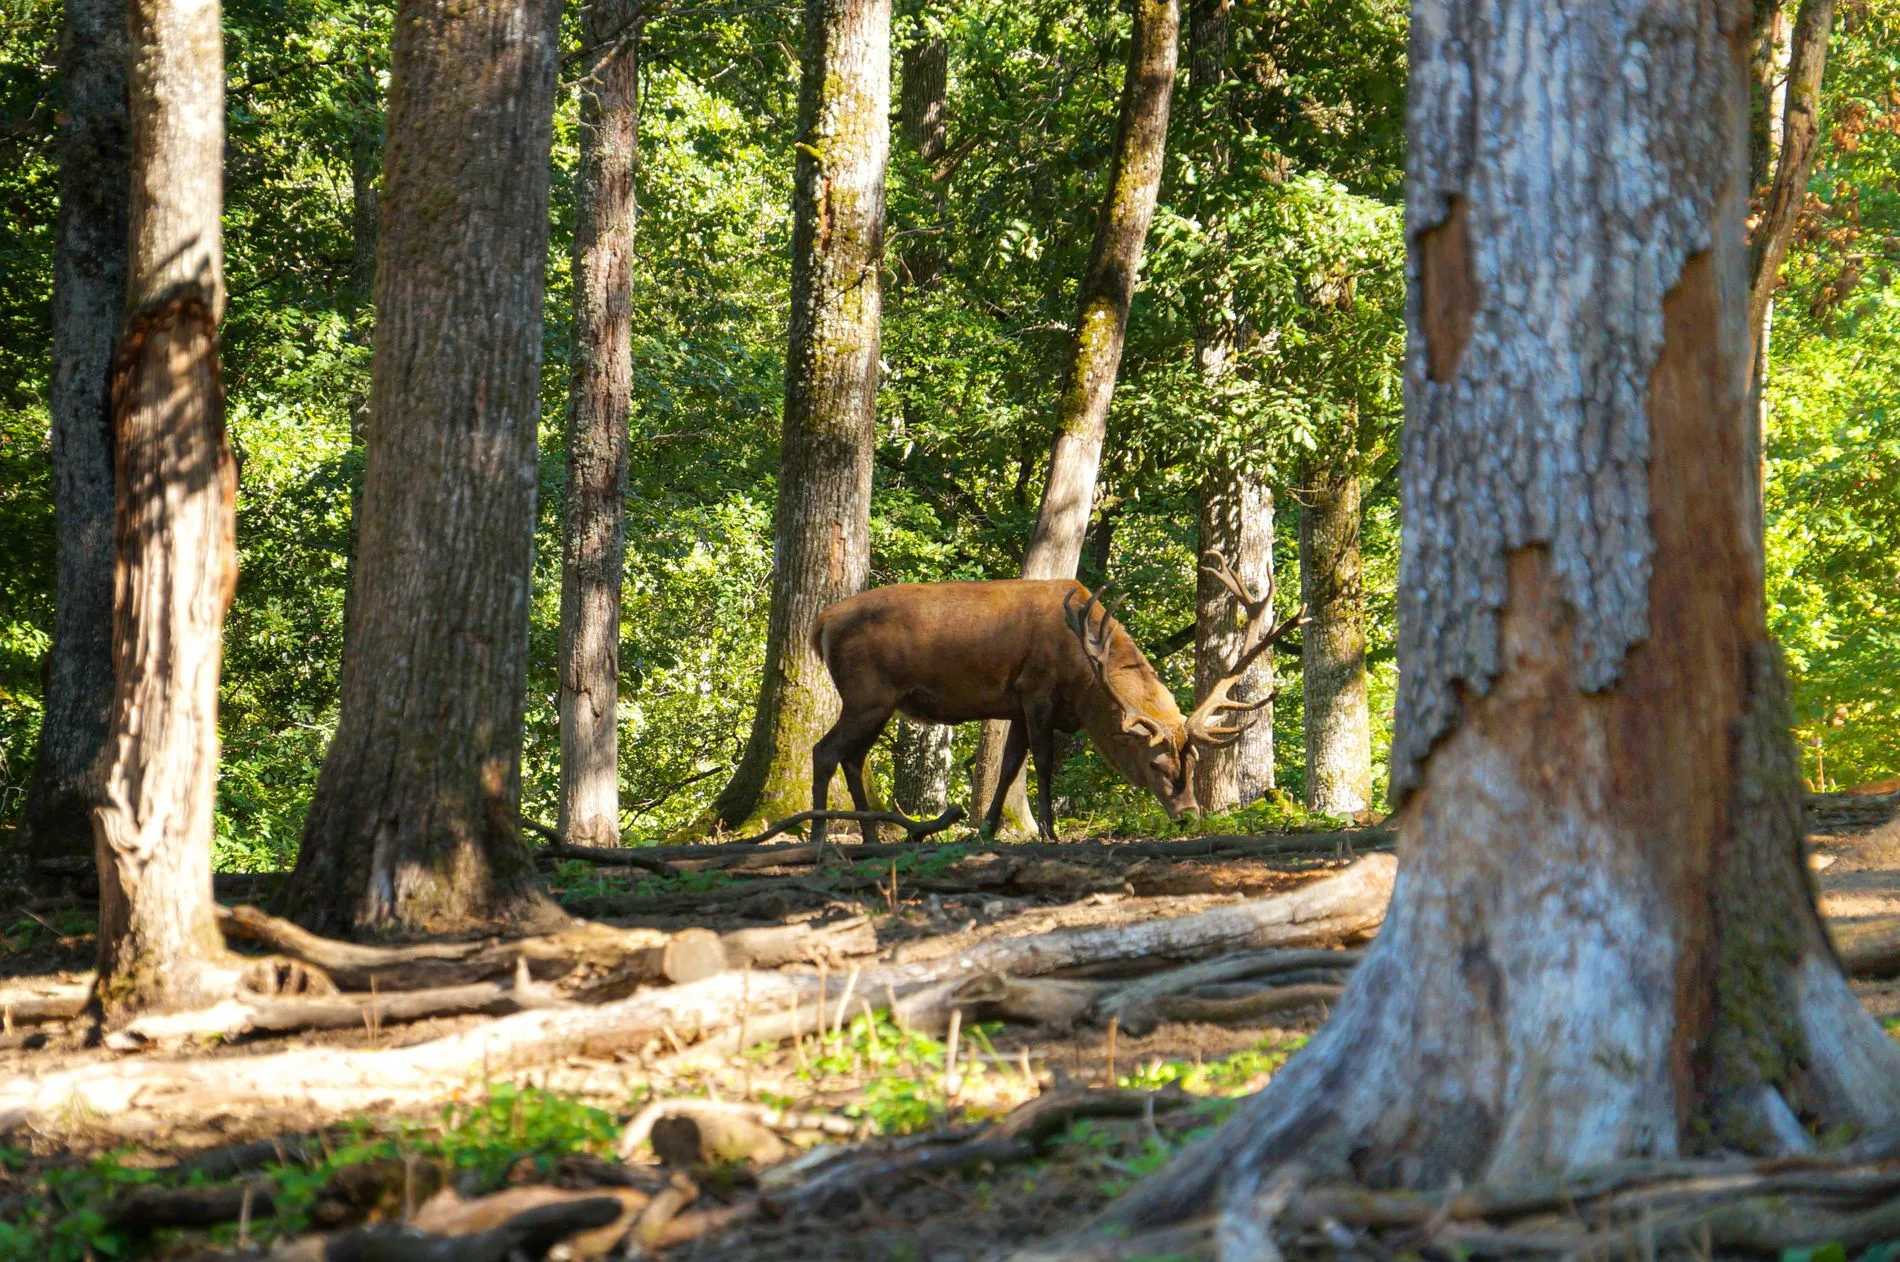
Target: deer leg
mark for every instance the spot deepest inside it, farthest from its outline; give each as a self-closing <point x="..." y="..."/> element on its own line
<point x="1042" y="745"/>
<point x="848" y="741"/>
<point x="1014" y="750"/>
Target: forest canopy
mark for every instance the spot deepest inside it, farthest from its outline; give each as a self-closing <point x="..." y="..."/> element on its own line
<point x="1302" y="213"/>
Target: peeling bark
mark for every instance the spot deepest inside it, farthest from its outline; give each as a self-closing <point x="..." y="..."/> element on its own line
<point x="174" y="533"/>
<point x="597" y="408"/>
<point x="412" y="828"/>
<point x="88" y="303"/>
<point x="1101" y="324"/>
<point x="1603" y="942"/>
<point x="1338" y="727"/>
<point x="821" y="530"/>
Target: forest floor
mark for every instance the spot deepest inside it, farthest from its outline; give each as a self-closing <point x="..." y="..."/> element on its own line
<point x="874" y="1138"/>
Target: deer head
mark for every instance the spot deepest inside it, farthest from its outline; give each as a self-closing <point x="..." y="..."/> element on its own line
<point x="1155" y="746"/>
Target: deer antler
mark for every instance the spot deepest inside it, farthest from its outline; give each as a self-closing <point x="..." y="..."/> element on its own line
<point x="1095" y="637"/>
<point x="1262" y="633"/>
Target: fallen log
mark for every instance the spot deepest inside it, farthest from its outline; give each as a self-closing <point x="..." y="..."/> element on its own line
<point x="1226" y="1011"/>
<point x="625" y="956"/>
<point x="730" y="855"/>
<point x="309" y="1086"/>
<point x="1868" y="948"/>
<point x="771" y="946"/>
<point x="147" y="1209"/>
<point x="533" y="1232"/>
<point x="55" y="1001"/>
<point x="1134" y="1005"/>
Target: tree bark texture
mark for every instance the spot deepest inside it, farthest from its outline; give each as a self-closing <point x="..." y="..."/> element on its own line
<point x="88" y="303"/>
<point x="1603" y="941"/>
<point x="174" y="532"/>
<point x="1101" y="323"/>
<point x="597" y="407"/>
<point x="822" y="525"/>
<point x="920" y="765"/>
<point x="1338" y="728"/>
<point x="412" y="829"/>
<point x="1799" y="141"/>
<point x="1236" y="520"/>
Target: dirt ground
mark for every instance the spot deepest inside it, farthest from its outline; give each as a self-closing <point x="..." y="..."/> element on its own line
<point x="951" y="1214"/>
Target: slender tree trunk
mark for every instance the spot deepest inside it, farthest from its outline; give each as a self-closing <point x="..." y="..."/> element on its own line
<point x="1799" y="142"/>
<point x="88" y="303"/>
<point x="366" y="151"/>
<point x="597" y="406"/>
<point x="174" y="533"/>
<point x="822" y="526"/>
<point x="1333" y="644"/>
<point x="920" y="764"/>
<point x="412" y="829"/>
<point x="921" y="752"/>
<point x="1603" y="942"/>
<point x="1237" y="522"/>
<point x="1236" y="513"/>
<point x="1107" y="292"/>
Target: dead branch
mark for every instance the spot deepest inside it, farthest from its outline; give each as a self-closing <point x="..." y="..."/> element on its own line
<point x="631" y="856"/>
<point x="1136" y="1005"/>
<point x="1260" y="1003"/>
<point x="146" y="1209"/>
<point x="628" y="956"/>
<point x="533" y="1231"/>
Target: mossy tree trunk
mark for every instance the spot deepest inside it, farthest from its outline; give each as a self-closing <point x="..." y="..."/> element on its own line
<point x="1101" y="324"/>
<point x="597" y="406"/>
<point x="88" y="303"/>
<point x="1338" y="727"/>
<point x="174" y="533"/>
<point x="413" y="826"/>
<point x="1603" y="942"/>
<point x="821" y="530"/>
<point x="920" y="765"/>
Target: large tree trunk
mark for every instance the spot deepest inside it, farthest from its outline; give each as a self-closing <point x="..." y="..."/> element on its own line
<point x="1603" y="942"/>
<point x="174" y="531"/>
<point x="597" y="405"/>
<point x="88" y="303"/>
<point x="1333" y="650"/>
<point x="1101" y="324"/>
<point x="821" y="533"/>
<point x="412" y="829"/>
<point x="1236" y="521"/>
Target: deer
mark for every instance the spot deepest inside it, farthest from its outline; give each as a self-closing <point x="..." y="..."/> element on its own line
<point x="1049" y="656"/>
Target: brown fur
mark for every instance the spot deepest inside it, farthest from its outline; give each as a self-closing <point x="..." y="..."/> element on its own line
<point x="960" y="652"/>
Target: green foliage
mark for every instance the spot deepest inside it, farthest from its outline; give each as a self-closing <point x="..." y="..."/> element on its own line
<point x="1242" y="1073"/>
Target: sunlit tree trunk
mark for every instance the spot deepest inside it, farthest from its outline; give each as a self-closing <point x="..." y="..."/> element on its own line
<point x="1236" y="520"/>
<point x="413" y="826"/>
<point x="1107" y="292"/>
<point x="821" y="531"/>
<point x="174" y="533"/>
<point x="597" y="406"/>
<point x="1797" y="140"/>
<point x="1603" y="942"/>
<point x="1333" y="650"/>
<point x="88" y="303"/>
<point x="920" y="765"/>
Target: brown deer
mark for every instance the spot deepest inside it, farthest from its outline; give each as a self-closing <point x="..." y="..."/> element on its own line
<point x="1047" y="655"/>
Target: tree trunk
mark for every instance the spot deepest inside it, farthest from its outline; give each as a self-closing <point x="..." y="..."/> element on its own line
<point x="821" y="531"/>
<point x="88" y="303"/>
<point x="921" y="766"/>
<point x="412" y="829"/>
<point x="1236" y="508"/>
<point x="174" y="533"/>
<point x="1237" y="522"/>
<point x="1799" y="141"/>
<point x="1333" y="651"/>
<point x="1604" y="941"/>
<point x="597" y="405"/>
<point x="1107" y="292"/>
